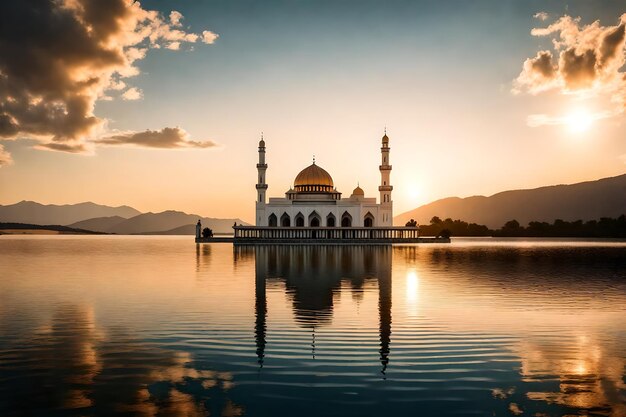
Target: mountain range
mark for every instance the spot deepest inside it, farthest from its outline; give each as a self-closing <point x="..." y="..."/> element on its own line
<point x="588" y="200"/>
<point x="106" y="219"/>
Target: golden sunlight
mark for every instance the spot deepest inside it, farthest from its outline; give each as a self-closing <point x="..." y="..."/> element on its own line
<point x="412" y="287"/>
<point x="579" y="121"/>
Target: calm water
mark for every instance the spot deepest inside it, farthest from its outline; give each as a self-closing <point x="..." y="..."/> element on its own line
<point x="157" y="326"/>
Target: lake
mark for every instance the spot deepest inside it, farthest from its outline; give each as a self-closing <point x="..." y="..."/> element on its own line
<point x="159" y="326"/>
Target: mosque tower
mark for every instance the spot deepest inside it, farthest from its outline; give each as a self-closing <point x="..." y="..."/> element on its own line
<point x="261" y="187"/>
<point x="386" y="204"/>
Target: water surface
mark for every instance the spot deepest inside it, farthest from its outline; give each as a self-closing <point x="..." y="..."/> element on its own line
<point x="157" y="326"/>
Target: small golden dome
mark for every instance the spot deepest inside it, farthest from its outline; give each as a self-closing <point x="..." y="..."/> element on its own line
<point x="385" y="139"/>
<point x="313" y="175"/>
<point x="358" y="191"/>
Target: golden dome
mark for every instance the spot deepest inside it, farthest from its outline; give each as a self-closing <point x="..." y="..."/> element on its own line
<point x="313" y="175"/>
<point x="358" y="191"/>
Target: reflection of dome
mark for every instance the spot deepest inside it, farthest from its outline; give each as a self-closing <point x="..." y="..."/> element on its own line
<point x="313" y="179"/>
<point x="358" y="191"/>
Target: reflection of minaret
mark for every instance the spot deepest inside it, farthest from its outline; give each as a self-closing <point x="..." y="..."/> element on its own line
<point x="384" y="311"/>
<point x="260" y="306"/>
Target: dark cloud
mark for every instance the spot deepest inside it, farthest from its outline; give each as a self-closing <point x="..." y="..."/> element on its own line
<point x="542" y="64"/>
<point x="612" y="43"/>
<point x="57" y="58"/>
<point x="76" y="147"/>
<point x="166" y="138"/>
<point x="578" y="70"/>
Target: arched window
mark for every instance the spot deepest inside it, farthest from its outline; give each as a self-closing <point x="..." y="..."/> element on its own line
<point x="346" y="219"/>
<point x="368" y="221"/>
<point x="330" y="220"/>
<point x="314" y="219"/>
<point x="272" y="221"/>
<point x="299" y="220"/>
<point x="285" y="220"/>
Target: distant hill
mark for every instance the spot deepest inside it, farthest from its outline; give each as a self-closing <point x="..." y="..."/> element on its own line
<point x="586" y="201"/>
<point x="166" y="223"/>
<point x="36" y="213"/>
<point x="98" y="224"/>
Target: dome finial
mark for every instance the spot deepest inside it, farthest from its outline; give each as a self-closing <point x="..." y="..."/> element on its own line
<point x="313" y="159"/>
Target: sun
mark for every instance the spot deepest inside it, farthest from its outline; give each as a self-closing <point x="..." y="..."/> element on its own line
<point x="579" y="121"/>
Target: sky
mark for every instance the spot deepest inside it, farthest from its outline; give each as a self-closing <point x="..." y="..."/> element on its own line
<point x="160" y="104"/>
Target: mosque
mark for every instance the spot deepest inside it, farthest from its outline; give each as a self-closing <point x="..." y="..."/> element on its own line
<point x="315" y="202"/>
<point x="313" y="212"/>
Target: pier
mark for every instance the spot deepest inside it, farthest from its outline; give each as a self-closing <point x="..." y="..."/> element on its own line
<point x="255" y="235"/>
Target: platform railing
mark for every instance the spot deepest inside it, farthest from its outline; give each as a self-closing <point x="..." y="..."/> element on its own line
<point x="321" y="233"/>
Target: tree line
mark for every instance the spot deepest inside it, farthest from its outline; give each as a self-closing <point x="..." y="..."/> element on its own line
<point x="604" y="227"/>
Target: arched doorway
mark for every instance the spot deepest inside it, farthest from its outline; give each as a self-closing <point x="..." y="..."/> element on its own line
<point x="299" y="220"/>
<point x="314" y="219"/>
<point x="285" y="220"/>
<point x="272" y="221"/>
<point x="368" y="221"/>
<point x="346" y="219"/>
<point x="330" y="220"/>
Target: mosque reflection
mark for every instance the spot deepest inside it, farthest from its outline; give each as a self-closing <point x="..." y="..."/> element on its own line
<point x="312" y="276"/>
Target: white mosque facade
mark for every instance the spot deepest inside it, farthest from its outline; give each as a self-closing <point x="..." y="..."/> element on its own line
<point x="315" y="202"/>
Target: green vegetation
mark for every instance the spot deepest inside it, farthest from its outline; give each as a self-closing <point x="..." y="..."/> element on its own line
<point x="605" y="227"/>
<point x="454" y="227"/>
<point x="206" y="233"/>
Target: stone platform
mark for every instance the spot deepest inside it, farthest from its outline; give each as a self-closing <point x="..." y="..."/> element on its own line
<point x="252" y="235"/>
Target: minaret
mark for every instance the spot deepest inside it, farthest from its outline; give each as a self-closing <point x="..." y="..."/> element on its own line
<point x="261" y="187"/>
<point x="386" y="204"/>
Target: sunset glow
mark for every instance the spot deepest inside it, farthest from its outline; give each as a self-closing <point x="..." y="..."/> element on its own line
<point x="177" y="99"/>
<point x="579" y="121"/>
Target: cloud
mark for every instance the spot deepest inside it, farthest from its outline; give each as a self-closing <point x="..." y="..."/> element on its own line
<point x="166" y="138"/>
<point x="57" y="58"/>
<point x="209" y="37"/>
<point x="175" y="18"/>
<point x="536" y="120"/>
<point x="543" y="16"/>
<point x="587" y="60"/>
<point x="5" y="157"/>
<point x="70" y="147"/>
<point x="132" y="93"/>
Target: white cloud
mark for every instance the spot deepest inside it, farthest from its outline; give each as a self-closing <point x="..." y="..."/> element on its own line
<point x="209" y="37"/>
<point x="132" y="94"/>
<point x="175" y="18"/>
<point x="536" y="120"/>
